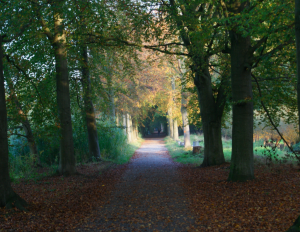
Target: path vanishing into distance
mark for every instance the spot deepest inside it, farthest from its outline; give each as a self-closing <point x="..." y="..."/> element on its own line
<point x="148" y="197"/>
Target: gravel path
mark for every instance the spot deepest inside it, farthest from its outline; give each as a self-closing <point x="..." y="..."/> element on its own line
<point x="149" y="196"/>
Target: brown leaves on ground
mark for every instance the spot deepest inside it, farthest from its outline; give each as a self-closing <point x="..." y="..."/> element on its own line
<point x="61" y="203"/>
<point x="271" y="202"/>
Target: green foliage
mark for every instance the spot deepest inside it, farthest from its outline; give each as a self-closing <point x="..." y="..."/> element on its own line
<point x="112" y="140"/>
<point x="184" y="155"/>
<point x="181" y="154"/>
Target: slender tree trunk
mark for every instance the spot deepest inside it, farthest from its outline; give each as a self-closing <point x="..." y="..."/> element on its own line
<point x="25" y="123"/>
<point x="128" y="128"/>
<point x="124" y="123"/>
<point x="185" y="121"/>
<point x="8" y="197"/>
<point x="117" y="119"/>
<point x="89" y="111"/>
<point x="297" y="30"/>
<point x="170" y="124"/>
<point x="134" y="130"/>
<point x="241" y="168"/>
<point x="111" y="94"/>
<point x="211" y="111"/>
<point x="67" y="158"/>
<point x="184" y="112"/>
<point x="137" y="131"/>
<point x="175" y="125"/>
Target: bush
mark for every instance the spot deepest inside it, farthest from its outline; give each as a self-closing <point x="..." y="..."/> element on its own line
<point x="112" y="140"/>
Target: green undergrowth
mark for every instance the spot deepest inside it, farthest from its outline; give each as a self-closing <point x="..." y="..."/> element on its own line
<point x="262" y="154"/>
<point x="181" y="154"/>
<point x="22" y="167"/>
<point x="128" y="152"/>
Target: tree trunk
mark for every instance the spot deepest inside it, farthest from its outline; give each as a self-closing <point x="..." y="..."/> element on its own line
<point x="117" y="119"/>
<point x="67" y="158"/>
<point x="112" y="109"/>
<point x="297" y="30"/>
<point x="175" y="125"/>
<point x="211" y="111"/>
<point x="184" y="112"/>
<point x="89" y="111"/>
<point x="128" y="128"/>
<point x="8" y="197"/>
<point x="185" y="121"/>
<point x="241" y="168"/>
<point x="25" y="123"/>
<point x="170" y="124"/>
<point x="124" y="124"/>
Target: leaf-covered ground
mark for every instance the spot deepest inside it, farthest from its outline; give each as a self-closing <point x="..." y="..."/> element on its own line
<point x="152" y="193"/>
<point x="269" y="203"/>
<point x="61" y="203"/>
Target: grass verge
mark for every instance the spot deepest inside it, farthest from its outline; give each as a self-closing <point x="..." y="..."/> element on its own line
<point x="265" y="155"/>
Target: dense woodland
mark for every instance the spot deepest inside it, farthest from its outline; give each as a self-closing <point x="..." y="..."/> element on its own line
<point x="80" y="79"/>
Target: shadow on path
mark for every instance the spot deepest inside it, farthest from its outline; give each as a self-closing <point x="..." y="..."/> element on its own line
<point x="148" y="197"/>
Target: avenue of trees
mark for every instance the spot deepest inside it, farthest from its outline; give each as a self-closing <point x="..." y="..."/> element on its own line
<point x="66" y="64"/>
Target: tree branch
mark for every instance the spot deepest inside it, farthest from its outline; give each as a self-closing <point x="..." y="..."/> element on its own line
<point x="271" y="121"/>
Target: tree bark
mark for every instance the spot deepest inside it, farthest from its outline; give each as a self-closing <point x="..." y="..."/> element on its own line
<point x="184" y="112"/>
<point x="111" y="94"/>
<point x="8" y="197"/>
<point x="241" y="168"/>
<point x="128" y="127"/>
<point x="297" y="30"/>
<point x="185" y="120"/>
<point x="211" y="111"/>
<point x="124" y="124"/>
<point x="175" y="125"/>
<point x="170" y="124"/>
<point x="117" y="119"/>
<point x="67" y="158"/>
<point x="89" y="111"/>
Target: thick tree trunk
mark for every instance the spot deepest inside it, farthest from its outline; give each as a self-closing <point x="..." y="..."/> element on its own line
<point x="67" y="158"/>
<point x="8" y="197"/>
<point x="241" y="168"/>
<point x="25" y="123"/>
<point x="297" y="30"/>
<point x="211" y="111"/>
<point x="89" y="111"/>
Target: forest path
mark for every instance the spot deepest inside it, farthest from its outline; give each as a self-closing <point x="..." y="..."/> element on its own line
<point x="149" y="196"/>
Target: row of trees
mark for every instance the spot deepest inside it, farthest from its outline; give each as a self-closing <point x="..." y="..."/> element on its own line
<point x="63" y="66"/>
<point x="239" y="55"/>
<point x="248" y="44"/>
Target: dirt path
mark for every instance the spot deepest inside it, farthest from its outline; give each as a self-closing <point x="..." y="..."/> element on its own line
<point x="148" y="197"/>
